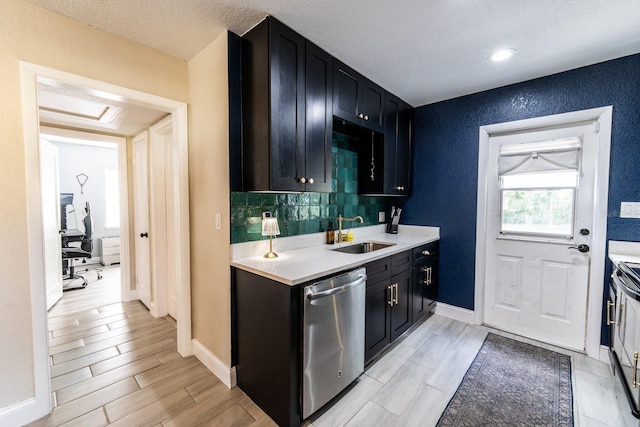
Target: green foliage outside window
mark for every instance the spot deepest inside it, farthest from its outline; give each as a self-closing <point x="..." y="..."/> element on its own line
<point x="538" y="211"/>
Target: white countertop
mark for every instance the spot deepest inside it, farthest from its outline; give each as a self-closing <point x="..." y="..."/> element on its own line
<point x="624" y="251"/>
<point x="296" y="265"/>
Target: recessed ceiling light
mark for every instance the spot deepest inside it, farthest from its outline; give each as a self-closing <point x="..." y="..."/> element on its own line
<point x="502" y="54"/>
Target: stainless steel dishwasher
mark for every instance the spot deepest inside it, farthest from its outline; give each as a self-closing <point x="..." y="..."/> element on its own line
<point x="333" y="353"/>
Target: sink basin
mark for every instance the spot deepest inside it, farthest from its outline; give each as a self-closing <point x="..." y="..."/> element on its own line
<point x="362" y="248"/>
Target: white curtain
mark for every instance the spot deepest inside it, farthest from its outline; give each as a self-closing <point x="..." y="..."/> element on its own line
<point x="541" y="156"/>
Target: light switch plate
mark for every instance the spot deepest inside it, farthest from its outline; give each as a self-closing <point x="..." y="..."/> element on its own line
<point x="630" y="210"/>
<point x="381" y="216"/>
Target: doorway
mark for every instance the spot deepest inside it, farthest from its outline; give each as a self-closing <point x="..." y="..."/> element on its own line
<point x="104" y="188"/>
<point x="541" y="232"/>
<point x="31" y="76"/>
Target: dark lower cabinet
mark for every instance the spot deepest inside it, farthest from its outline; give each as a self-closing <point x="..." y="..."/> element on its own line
<point x="388" y="307"/>
<point x="267" y="344"/>
<point x="425" y="279"/>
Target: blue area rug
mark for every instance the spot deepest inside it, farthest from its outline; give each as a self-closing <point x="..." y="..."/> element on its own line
<point x="511" y="383"/>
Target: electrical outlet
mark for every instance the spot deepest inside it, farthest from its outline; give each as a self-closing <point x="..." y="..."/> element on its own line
<point x="630" y="210"/>
<point x="381" y="216"/>
<point x="218" y="221"/>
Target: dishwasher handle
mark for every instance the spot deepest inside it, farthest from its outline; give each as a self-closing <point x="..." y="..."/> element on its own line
<point x="310" y="295"/>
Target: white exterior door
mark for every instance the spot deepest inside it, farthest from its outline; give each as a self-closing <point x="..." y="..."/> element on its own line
<point x="51" y="221"/>
<point x="141" y="217"/>
<point x="540" y="208"/>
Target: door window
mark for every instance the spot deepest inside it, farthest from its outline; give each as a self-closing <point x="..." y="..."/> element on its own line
<point x="538" y="185"/>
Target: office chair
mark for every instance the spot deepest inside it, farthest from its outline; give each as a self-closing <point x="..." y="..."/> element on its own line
<point x="71" y="253"/>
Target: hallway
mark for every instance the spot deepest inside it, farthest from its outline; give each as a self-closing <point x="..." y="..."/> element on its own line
<point x="112" y="363"/>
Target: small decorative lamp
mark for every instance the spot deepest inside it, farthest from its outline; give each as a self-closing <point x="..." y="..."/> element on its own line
<point x="270" y="228"/>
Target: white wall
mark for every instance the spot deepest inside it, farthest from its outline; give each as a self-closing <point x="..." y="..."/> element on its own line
<point x="75" y="159"/>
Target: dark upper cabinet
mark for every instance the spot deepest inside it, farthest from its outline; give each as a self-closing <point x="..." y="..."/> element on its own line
<point x="287" y="111"/>
<point x="384" y="161"/>
<point x="397" y="146"/>
<point x="356" y="98"/>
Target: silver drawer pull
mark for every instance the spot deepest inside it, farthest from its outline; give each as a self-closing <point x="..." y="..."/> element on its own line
<point x="426" y="252"/>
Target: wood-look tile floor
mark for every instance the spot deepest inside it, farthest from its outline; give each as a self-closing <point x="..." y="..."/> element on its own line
<point x="413" y="381"/>
<point x="112" y="363"/>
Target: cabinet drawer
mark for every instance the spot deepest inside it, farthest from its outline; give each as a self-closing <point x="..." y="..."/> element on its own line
<point x="378" y="270"/>
<point x="401" y="262"/>
<point x="111" y="250"/>
<point x="425" y="252"/>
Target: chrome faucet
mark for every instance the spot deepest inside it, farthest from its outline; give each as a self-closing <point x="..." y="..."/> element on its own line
<point x="340" y="219"/>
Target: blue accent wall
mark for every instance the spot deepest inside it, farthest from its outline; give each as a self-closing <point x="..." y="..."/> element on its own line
<point x="445" y="158"/>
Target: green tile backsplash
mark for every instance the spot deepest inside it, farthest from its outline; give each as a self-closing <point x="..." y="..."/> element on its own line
<point x="304" y="213"/>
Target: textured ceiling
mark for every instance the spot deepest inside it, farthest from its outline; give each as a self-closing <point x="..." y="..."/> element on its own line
<point x="422" y="50"/>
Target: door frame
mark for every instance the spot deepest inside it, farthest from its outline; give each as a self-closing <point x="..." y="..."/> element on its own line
<point x="121" y="142"/>
<point x="603" y="118"/>
<point x="30" y="74"/>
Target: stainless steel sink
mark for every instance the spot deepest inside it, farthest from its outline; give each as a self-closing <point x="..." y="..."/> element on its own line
<point x="362" y="248"/>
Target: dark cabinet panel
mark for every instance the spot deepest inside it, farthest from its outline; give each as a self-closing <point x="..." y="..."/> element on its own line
<point x="287" y="107"/>
<point x="388" y="307"/>
<point x="267" y="336"/>
<point x="401" y="309"/>
<point x="377" y="318"/>
<point x="425" y="279"/>
<point x="397" y="146"/>
<point x="319" y="119"/>
<point x="287" y="95"/>
<point x="356" y="98"/>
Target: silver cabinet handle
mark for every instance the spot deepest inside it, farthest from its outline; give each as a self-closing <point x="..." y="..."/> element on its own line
<point x="390" y="301"/>
<point x="366" y="117"/>
<point x="400" y="188"/>
<point x="303" y="180"/>
<point x="361" y="116"/>
<point x="425" y="253"/>
<point x="310" y="181"/>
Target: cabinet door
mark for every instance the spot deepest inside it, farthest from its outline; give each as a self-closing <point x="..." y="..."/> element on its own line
<point x="402" y="307"/>
<point x="403" y="149"/>
<point x="287" y="107"/>
<point x="371" y="106"/>
<point x="431" y="288"/>
<point x="377" y="318"/>
<point x="424" y="288"/>
<point x="397" y="146"/>
<point x="346" y="92"/>
<point x="319" y="120"/>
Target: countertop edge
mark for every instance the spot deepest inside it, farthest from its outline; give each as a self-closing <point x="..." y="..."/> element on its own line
<point x="249" y="264"/>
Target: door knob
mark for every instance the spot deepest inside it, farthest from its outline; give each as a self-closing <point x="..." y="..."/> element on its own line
<point x="144" y="235"/>
<point x="581" y="248"/>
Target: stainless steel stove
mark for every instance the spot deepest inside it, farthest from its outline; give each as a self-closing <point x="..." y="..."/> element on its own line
<point x="623" y="318"/>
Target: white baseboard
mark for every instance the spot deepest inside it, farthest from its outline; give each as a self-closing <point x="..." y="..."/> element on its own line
<point x="22" y="413"/>
<point x="604" y="354"/>
<point x="216" y="366"/>
<point x="456" y="313"/>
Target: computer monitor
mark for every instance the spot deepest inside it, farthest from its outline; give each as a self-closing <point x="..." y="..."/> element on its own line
<point x="65" y="200"/>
